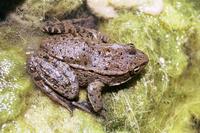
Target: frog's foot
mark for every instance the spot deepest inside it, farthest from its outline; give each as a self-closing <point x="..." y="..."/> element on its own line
<point x="64" y="102"/>
<point x="58" y="27"/>
<point x="87" y="107"/>
<point x="55" y="26"/>
<point x="56" y="97"/>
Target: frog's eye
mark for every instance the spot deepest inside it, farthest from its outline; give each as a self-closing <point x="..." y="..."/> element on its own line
<point x="136" y="69"/>
<point x="131" y="44"/>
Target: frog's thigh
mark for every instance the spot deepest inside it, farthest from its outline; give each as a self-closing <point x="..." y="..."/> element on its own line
<point x="61" y="78"/>
<point x="38" y="74"/>
<point x="94" y="95"/>
<point x="65" y="79"/>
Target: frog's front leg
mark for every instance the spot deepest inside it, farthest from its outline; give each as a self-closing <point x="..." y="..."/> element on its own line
<point x="95" y="99"/>
<point x="94" y="95"/>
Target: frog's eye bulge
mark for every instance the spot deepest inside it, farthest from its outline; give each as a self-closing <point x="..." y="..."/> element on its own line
<point x="131" y="45"/>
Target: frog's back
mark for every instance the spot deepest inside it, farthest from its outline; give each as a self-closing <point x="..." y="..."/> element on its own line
<point x="104" y="59"/>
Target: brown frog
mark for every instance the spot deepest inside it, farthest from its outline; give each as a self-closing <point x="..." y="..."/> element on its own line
<point x="76" y="56"/>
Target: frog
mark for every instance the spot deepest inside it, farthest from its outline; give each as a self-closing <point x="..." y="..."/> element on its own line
<point x="74" y="56"/>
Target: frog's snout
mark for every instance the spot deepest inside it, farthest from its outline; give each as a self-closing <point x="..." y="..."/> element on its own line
<point x="141" y="61"/>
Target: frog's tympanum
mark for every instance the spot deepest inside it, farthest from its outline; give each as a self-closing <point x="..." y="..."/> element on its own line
<point x="75" y="56"/>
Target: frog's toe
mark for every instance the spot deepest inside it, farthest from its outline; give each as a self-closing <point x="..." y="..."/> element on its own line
<point x="102" y="113"/>
<point x="87" y="107"/>
<point x="62" y="101"/>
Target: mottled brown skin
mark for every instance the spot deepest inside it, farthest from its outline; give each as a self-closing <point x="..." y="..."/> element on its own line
<point x="80" y="57"/>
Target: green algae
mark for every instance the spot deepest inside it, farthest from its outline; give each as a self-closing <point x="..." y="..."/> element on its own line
<point x="13" y="84"/>
<point x="187" y="112"/>
<point x="52" y="118"/>
<point x="149" y="102"/>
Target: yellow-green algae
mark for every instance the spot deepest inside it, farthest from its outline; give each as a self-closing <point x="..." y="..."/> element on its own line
<point x="164" y="98"/>
<point x="13" y="84"/>
<point x="52" y="118"/>
<point x="156" y="101"/>
<point x="188" y="89"/>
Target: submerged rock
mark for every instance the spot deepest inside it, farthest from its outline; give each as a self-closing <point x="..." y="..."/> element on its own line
<point x="105" y="8"/>
<point x="101" y="8"/>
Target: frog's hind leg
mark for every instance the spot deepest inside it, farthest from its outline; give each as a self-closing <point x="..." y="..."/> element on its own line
<point x="60" y="85"/>
<point x="51" y="94"/>
<point x="95" y="104"/>
<point x="56" y="97"/>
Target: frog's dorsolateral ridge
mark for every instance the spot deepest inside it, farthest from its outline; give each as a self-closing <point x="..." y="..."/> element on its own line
<point x="75" y="56"/>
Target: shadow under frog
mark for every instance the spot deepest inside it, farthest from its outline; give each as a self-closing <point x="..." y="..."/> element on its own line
<point x="75" y="56"/>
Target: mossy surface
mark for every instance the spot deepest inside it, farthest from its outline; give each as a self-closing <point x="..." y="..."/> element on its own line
<point x="52" y="118"/>
<point x="156" y="101"/>
<point x="163" y="98"/>
<point x="13" y="85"/>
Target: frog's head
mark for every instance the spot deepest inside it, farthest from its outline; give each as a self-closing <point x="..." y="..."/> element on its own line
<point x="139" y="61"/>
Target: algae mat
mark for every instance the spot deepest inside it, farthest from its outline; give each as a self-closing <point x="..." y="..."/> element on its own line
<point x="164" y="98"/>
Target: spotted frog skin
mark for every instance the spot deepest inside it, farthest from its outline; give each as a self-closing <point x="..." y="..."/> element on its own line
<point x="75" y="56"/>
